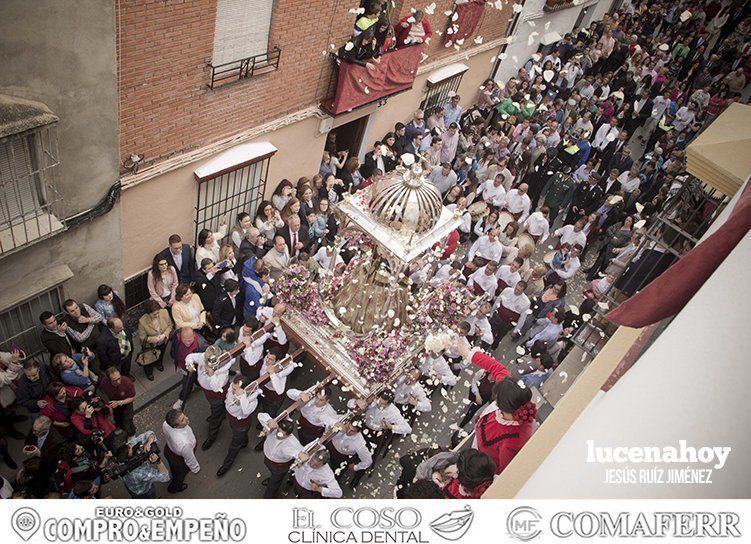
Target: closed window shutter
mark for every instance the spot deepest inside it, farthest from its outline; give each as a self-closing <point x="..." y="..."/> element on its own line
<point x="20" y="193"/>
<point x="241" y="30"/>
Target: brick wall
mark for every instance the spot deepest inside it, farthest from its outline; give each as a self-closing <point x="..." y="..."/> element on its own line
<point x="164" y="46"/>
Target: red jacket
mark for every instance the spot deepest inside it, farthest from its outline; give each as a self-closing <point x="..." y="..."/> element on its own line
<point x="494" y="368"/>
<point x="452" y="491"/>
<point x="99" y="421"/>
<point x="452" y="242"/>
<point x="401" y="30"/>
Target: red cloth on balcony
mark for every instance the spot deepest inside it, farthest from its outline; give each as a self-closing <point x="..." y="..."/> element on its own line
<point x="357" y="85"/>
<point x="667" y="294"/>
<point x="469" y="13"/>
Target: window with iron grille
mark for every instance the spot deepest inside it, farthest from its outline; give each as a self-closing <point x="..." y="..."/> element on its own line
<point x="30" y="205"/>
<point x="438" y="91"/>
<point x="241" y="41"/>
<point x="20" y="324"/>
<point x="226" y="188"/>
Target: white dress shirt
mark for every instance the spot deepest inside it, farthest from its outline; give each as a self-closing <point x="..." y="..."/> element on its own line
<point x="215" y="382"/>
<point x="279" y="451"/>
<point x="351" y="445"/>
<point x="480" y="326"/>
<point x="243" y="405"/>
<point x="488" y="284"/>
<point x="254" y="351"/>
<point x="491" y="194"/>
<point x="322" y="257"/>
<point x="567" y="235"/>
<point x="570" y="266"/>
<point x="320" y="416"/>
<point x="518" y="304"/>
<point x="263" y="314"/>
<point x="403" y="391"/>
<point x="601" y="136"/>
<point x="277" y="380"/>
<point x="545" y="331"/>
<point x="537" y="225"/>
<point x="305" y="475"/>
<point x="629" y="184"/>
<point x="374" y="417"/>
<point x="505" y="274"/>
<point x="486" y="248"/>
<point x="517" y="202"/>
<point x="182" y="442"/>
<point x="438" y="367"/>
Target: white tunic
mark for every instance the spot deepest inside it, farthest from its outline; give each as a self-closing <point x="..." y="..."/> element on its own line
<point x="351" y="445"/>
<point x="404" y="391"/>
<point x="277" y="380"/>
<point x="243" y="405"/>
<point x="486" y="248"/>
<point x="305" y="475"/>
<point x="496" y="196"/>
<point x="439" y="368"/>
<point x="182" y="442"/>
<point x="518" y="304"/>
<point x="489" y="284"/>
<point x="567" y="235"/>
<point x="516" y="202"/>
<point x="374" y="416"/>
<point x="537" y="225"/>
<point x="320" y="416"/>
<point x="217" y="381"/>
<point x="279" y="451"/>
<point x="505" y="274"/>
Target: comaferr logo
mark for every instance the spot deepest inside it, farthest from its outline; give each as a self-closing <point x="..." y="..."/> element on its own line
<point x="524" y="523"/>
<point x="454" y="525"/>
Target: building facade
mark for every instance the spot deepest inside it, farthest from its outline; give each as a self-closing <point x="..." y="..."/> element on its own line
<point x="59" y="215"/>
<point x="223" y="98"/>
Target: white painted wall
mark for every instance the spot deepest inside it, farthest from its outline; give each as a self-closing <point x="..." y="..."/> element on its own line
<point x="689" y="385"/>
<point x="561" y="21"/>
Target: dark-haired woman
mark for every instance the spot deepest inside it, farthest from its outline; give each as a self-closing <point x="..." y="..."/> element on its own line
<point x="268" y="221"/>
<point x="284" y="191"/>
<point x="240" y="230"/>
<point x="162" y="281"/>
<point x="109" y="304"/>
<point x="207" y="244"/>
<point x="475" y="472"/>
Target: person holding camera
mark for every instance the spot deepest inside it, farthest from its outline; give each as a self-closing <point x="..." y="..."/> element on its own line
<point x="90" y="416"/>
<point x="140" y="480"/>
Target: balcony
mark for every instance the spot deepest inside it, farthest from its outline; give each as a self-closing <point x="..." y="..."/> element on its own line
<point x="358" y="85"/>
<point x="238" y="70"/>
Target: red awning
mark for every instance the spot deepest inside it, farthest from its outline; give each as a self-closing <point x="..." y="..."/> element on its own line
<point x="357" y="85"/>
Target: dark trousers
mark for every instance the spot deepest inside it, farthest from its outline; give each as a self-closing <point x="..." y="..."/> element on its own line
<point x="123" y="416"/>
<point x="125" y="363"/>
<point x="500" y="328"/>
<point x="472" y="409"/>
<point x="189" y="381"/>
<point x="178" y="470"/>
<point x="252" y="372"/>
<point x="275" y="480"/>
<point x="302" y="493"/>
<point x="239" y="441"/>
<point x="217" y="416"/>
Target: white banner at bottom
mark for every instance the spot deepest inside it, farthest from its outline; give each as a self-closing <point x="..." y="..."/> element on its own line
<point x="372" y="522"/>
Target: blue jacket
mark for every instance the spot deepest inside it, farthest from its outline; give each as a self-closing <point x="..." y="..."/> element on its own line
<point x="253" y="286"/>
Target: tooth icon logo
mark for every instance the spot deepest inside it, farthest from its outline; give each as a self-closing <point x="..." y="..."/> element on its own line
<point x="454" y="525"/>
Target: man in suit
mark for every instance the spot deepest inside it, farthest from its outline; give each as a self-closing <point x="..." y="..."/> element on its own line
<point x="228" y="308"/>
<point x="277" y="259"/>
<point x="46" y="440"/>
<point x="611" y="149"/>
<point x="611" y="185"/>
<point x="114" y="347"/>
<point x="376" y="159"/>
<point x="181" y="257"/>
<point x="207" y="284"/>
<point x="252" y="244"/>
<point x="621" y="160"/>
<point x="642" y="109"/>
<point x="297" y="239"/>
<point x="587" y="198"/>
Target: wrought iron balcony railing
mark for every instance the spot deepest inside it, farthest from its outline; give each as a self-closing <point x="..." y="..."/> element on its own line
<point x="238" y="70"/>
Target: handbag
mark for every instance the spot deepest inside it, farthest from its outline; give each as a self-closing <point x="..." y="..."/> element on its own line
<point x="148" y="356"/>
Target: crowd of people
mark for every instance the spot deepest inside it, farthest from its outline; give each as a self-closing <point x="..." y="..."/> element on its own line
<point x="554" y="152"/>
